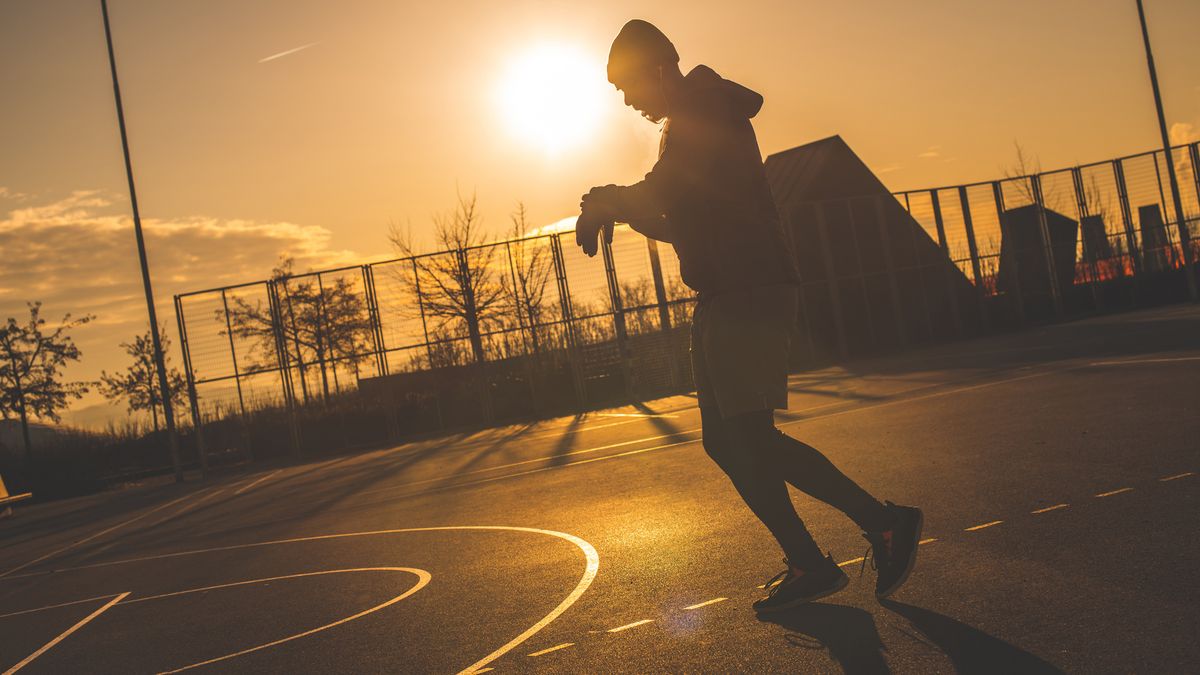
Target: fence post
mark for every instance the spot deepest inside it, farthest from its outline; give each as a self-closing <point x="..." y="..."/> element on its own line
<point x="835" y="294"/>
<point x="284" y="362"/>
<point x="1089" y="256"/>
<point x="475" y="335"/>
<point x="948" y="263"/>
<point x="1035" y="183"/>
<point x="520" y="300"/>
<point x="237" y="377"/>
<point x="197" y="424"/>
<point x="889" y="264"/>
<point x="660" y="285"/>
<point x="973" y="250"/>
<point x="1194" y="156"/>
<point x="618" y="311"/>
<point x="568" y="319"/>
<point x="1014" y="282"/>
<point x="664" y="311"/>
<point x="1135" y="254"/>
<point x="377" y="340"/>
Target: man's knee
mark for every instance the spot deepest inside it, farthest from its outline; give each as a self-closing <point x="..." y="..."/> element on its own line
<point x="716" y="439"/>
<point x="717" y="447"/>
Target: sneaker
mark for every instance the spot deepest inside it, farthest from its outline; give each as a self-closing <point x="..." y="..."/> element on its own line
<point x="893" y="552"/>
<point x="795" y="586"/>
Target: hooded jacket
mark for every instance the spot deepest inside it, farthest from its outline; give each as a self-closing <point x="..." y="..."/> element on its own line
<point x="710" y="187"/>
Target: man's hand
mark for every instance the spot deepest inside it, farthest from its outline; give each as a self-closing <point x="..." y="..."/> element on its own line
<point x="603" y="199"/>
<point x="598" y="210"/>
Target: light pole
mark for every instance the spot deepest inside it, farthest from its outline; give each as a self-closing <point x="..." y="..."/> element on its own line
<point x="159" y="362"/>
<point x="1184" y="235"/>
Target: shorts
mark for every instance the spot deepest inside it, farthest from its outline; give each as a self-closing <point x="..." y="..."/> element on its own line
<point x="740" y="343"/>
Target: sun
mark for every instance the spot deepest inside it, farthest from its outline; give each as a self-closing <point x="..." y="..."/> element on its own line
<point x="552" y="96"/>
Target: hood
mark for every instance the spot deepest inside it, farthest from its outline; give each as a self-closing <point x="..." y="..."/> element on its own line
<point x="742" y="100"/>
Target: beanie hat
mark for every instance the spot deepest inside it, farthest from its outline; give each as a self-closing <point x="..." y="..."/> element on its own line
<point x="639" y="45"/>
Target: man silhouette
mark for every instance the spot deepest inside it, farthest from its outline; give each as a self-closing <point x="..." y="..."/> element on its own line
<point x="707" y="196"/>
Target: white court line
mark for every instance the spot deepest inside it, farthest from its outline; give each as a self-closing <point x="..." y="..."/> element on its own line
<point x="627" y="626"/>
<point x="61" y="604"/>
<point x="423" y="578"/>
<point x="706" y="603"/>
<point x="1177" y="476"/>
<point x="46" y="647"/>
<point x="100" y="533"/>
<point x="1115" y="492"/>
<point x="544" y="651"/>
<point x="974" y="528"/>
<point x="589" y="574"/>
<point x="1133" y="362"/>
<point x="1050" y="508"/>
<point x="247" y="487"/>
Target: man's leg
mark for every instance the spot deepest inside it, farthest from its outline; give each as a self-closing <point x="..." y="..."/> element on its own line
<point x="763" y="490"/>
<point x="809" y="470"/>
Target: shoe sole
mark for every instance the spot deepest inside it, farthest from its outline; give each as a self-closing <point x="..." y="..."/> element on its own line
<point x="912" y="561"/>
<point x="843" y="582"/>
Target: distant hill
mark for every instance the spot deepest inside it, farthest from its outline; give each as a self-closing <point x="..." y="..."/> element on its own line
<point x="96" y="416"/>
<point x="10" y="434"/>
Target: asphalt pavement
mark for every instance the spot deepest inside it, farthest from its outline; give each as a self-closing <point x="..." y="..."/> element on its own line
<point x="1057" y="468"/>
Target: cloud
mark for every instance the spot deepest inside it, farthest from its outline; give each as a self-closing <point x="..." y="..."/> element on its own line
<point x="1183" y="132"/>
<point x="1179" y="134"/>
<point x="561" y="225"/>
<point x="78" y="254"/>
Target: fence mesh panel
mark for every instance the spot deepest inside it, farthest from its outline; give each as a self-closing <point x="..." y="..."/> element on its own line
<point x="522" y="327"/>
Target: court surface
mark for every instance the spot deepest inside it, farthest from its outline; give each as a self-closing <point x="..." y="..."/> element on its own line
<point x="1055" y="467"/>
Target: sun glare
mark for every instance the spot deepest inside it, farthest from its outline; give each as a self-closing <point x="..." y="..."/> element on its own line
<point x="552" y="96"/>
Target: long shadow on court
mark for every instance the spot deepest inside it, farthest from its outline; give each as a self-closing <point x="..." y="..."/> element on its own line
<point x="847" y="633"/>
<point x="970" y="649"/>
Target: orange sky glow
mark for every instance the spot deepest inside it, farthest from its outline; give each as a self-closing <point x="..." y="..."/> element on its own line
<point x="260" y="128"/>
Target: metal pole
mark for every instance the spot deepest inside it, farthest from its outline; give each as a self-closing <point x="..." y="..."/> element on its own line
<point x="1013" y="280"/>
<point x="1089" y="256"/>
<point x="1035" y="184"/>
<point x="1184" y="235"/>
<point x="237" y="378"/>
<point x="159" y="361"/>
<point x="1131" y="242"/>
<point x="197" y="423"/>
<point x="568" y="319"/>
<point x="973" y="250"/>
<point x="949" y="267"/>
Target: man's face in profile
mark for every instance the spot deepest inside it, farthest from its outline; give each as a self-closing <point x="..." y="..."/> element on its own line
<point x="643" y="92"/>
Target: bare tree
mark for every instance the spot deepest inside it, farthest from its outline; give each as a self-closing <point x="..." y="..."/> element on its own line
<point x="531" y="261"/>
<point x="138" y="384"/>
<point x="1019" y="171"/>
<point x="321" y="322"/>
<point x="458" y="288"/>
<point x="31" y="363"/>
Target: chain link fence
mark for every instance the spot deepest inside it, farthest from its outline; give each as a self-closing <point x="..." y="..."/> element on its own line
<point x="365" y="355"/>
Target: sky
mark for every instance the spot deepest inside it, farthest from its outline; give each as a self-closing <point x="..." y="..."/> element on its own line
<point x="261" y="128"/>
